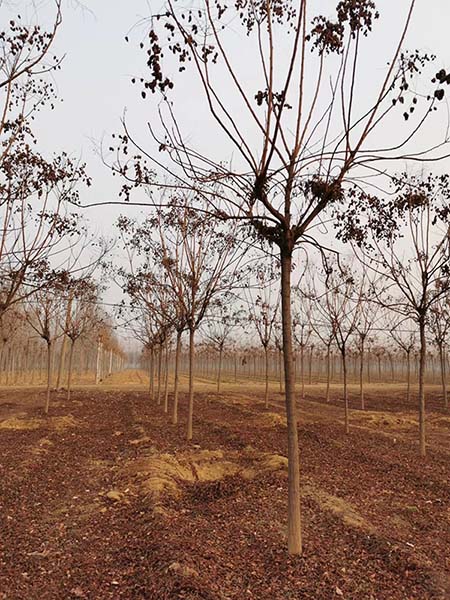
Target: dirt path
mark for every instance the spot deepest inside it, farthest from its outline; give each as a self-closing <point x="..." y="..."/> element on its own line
<point x="74" y="522"/>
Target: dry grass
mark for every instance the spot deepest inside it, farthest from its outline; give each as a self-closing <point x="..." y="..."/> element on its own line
<point x="164" y="474"/>
<point x="20" y="422"/>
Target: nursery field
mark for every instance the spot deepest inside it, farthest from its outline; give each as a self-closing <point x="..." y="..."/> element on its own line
<point x="104" y="498"/>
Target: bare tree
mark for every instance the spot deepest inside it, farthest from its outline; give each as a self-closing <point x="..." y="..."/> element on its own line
<point x="299" y="133"/>
<point x="416" y="281"/>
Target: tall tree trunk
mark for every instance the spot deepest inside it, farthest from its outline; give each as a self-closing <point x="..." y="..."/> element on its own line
<point x="422" y="367"/>
<point x="49" y="376"/>
<point x="408" y="376"/>
<point x="294" y="520"/>
<point x="176" y="378"/>
<point x="191" y="383"/>
<point x="166" y="377"/>
<point x="361" y="374"/>
<point x="302" y="368"/>
<point x="98" y="363"/>
<point x="344" y="372"/>
<point x="158" y="390"/>
<point x="219" y="373"/>
<point x="310" y="365"/>
<point x="151" y="383"/>
<point x="266" y="376"/>
<point x="327" y="397"/>
<point x="280" y="369"/>
<point x="69" y="373"/>
<point x="443" y="374"/>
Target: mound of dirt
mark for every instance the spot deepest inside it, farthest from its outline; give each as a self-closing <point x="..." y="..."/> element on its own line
<point x="383" y="419"/>
<point x="22" y="423"/>
<point x="160" y="474"/>
<point x="271" y="419"/>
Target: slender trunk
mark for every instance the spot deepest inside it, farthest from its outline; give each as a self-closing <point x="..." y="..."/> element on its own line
<point x="344" y="371"/>
<point x="443" y="374"/>
<point x="166" y="378"/>
<point x="219" y="373"/>
<point x="408" y="376"/>
<point x="361" y="375"/>
<point x="266" y="375"/>
<point x="69" y="374"/>
<point x="151" y="384"/>
<point x="110" y="362"/>
<point x="176" y="379"/>
<point x="422" y="366"/>
<point x="280" y="370"/>
<point x="98" y="361"/>
<point x="302" y="367"/>
<point x="191" y="383"/>
<point x="294" y="520"/>
<point x="328" y="373"/>
<point x="310" y="365"/>
<point x="49" y="375"/>
<point x="158" y="390"/>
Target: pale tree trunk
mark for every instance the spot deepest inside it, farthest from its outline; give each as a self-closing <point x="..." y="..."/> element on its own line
<point x="166" y="377"/>
<point x="361" y="375"/>
<point x="422" y="367"/>
<point x="327" y="397"/>
<point x="294" y="520"/>
<point x="98" y="363"/>
<point x="110" y="362"/>
<point x="191" y="383"/>
<point x="302" y="367"/>
<point x="344" y="372"/>
<point x="266" y="375"/>
<point x="158" y="390"/>
<point x="69" y="373"/>
<point x="219" y="373"/>
<point x="408" y="376"/>
<point x="151" y="374"/>
<point x="442" y="358"/>
<point x="49" y="376"/>
<point x="176" y="378"/>
<point x="310" y="365"/>
<point x="280" y="370"/>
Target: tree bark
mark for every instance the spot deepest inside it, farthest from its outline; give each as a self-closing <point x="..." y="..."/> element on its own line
<point x="422" y="366"/>
<point x="443" y="374"/>
<point x="266" y="376"/>
<point x="361" y="375"/>
<point x="69" y="374"/>
<point x="176" y="378"/>
<point x="219" y="373"/>
<point x="344" y="372"/>
<point x="294" y="520"/>
<point x="191" y="383"/>
<point x="166" y="377"/>
<point x="327" y="397"/>
<point x="49" y="376"/>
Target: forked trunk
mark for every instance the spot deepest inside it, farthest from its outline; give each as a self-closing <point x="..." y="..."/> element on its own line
<point x="294" y="521"/>
<point x="176" y="379"/>
<point x="69" y="374"/>
<point x="422" y="366"/>
<point x="191" y="384"/>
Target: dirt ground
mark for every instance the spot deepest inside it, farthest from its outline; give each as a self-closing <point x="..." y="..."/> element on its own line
<point x="104" y="499"/>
